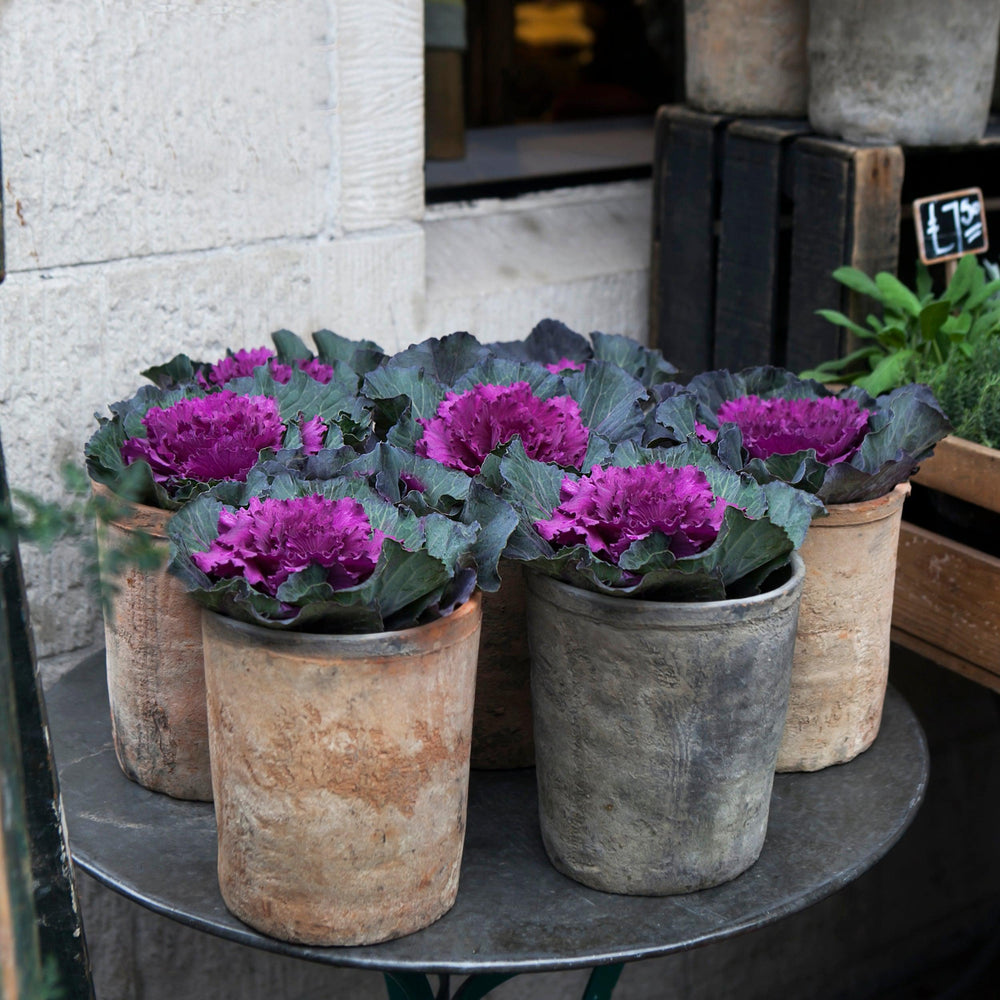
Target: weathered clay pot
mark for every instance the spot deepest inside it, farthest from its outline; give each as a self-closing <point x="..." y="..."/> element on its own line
<point x="917" y="72"/>
<point x="747" y="57"/>
<point x="842" y="649"/>
<point x="501" y="727"/>
<point x="156" y="674"/>
<point x="656" y="730"/>
<point x="341" y="768"/>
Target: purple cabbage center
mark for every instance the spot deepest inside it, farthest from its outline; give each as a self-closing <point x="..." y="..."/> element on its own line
<point x="271" y="539"/>
<point x="833" y="427"/>
<point x="609" y="509"/>
<point x="214" y="437"/>
<point x="468" y="426"/>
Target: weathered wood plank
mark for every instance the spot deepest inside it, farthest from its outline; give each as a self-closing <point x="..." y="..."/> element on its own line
<point x="965" y="470"/>
<point x="749" y="285"/>
<point x="947" y="596"/>
<point x="821" y="194"/>
<point x="943" y="658"/>
<point x="684" y="237"/>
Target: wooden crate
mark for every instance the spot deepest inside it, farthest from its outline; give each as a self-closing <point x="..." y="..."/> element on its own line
<point x="947" y="597"/>
<point x="750" y="217"/>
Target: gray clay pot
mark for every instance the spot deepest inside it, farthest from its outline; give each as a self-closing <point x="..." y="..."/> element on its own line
<point x="657" y="727"/>
<point x="916" y="72"/>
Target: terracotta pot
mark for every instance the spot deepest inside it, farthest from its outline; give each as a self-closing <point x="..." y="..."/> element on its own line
<point x="656" y="731"/>
<point x="747" y="57"/>
<point x="341" y="767"/>
<point x="917" y="72"/>
<point x="501" y="727"/>
<point x="156" y="674"/>
<point x="842" y="648"/>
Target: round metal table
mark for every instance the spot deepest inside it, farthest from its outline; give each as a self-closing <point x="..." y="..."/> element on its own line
<point x="514" y="913"/>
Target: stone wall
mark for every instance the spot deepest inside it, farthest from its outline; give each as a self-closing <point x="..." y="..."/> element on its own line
<point x="189" y="176"/>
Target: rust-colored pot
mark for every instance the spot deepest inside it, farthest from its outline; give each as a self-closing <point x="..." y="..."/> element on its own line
<point x="341" y="769"/>
<point x="502" y="728"/>
<point x="156" y="674"/>
<point x="841" y="663"/>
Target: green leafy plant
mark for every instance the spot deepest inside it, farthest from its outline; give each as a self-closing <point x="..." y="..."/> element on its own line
<point x="968" y="388"/>
<point x="918" y="331"/>
<point x="30" y="520"/>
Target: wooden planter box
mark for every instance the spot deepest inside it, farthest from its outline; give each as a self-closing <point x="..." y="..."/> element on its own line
<point x="947" y="598"/>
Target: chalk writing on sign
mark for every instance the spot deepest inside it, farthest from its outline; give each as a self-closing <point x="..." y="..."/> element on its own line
<point x="950" y="225"/>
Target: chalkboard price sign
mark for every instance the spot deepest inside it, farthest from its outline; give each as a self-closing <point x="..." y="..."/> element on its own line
<point x="950" y="225"/>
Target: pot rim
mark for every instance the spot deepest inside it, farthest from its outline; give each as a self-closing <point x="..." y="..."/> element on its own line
<point x="864" y="511"/>
<point x="358" y="643"/>
<point x="741" y="608"/>
<point x="141" y="517"/>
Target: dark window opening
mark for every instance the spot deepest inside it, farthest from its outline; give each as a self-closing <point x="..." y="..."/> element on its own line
<point x="548" y="92"/>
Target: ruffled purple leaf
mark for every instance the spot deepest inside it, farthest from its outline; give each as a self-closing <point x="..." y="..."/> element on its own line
<point x="834" y="428"/>
<point x="213" y="437"/>
<point x="271" y="539"/>
<point x="609" y="509"/>
<point x="469" y="425"/>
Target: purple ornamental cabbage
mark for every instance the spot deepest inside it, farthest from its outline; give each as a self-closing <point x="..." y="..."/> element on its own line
<point x="467" y="426"/>
<point x="271" y="539"/>
<point x="212" y="437"/>
<point x="611" y="508"/>
<point x="242" y="363"/>
<point x="832" y="426"/>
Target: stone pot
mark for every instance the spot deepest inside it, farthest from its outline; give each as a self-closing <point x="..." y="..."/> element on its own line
<point x="656" y="731"/>
<point x="842" y="649"/>
<point x="156" y="674"/>
<point x="341" y="770"/>
<point x="916" y="72"/>
<point x="747" y="57"/>
<point x="501" y="728"/>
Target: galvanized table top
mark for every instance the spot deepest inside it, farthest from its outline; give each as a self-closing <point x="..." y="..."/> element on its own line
<point x="514" y="913"/>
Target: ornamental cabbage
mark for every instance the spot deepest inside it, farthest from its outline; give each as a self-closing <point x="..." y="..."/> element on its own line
<point x="271" y="539"/>
<point x="834" y="428"/>
<point x="210" y="438"/>
<point x="844" y="447"/>
<point x="319" y="555"/>
<point x="609" y="509"/>
<point x="468" y="426"/>
<point x="661" y="524"/>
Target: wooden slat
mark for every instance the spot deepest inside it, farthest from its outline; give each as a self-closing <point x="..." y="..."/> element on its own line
<point x="821" y="193"/>
<point x="875" y="219"/>
<point x="965" y="470"/>
<point x="947" y="596"/>
<point x="684" y="237"/>
<point x="943" y="658"/>
<point x="748" y="281"/>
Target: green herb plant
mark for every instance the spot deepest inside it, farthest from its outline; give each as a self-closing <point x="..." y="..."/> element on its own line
<point x="28" y="519"/>
<point x="918" y="331"/>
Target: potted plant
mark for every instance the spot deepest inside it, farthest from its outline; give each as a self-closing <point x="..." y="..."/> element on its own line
<point x="340" y="640"/>
<point x="951" y="341"/>
<point x="856" y="454"/>
<point x="662" y="602"/>
<point x="158" y="450"/>
<point x="457" y="402"/>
